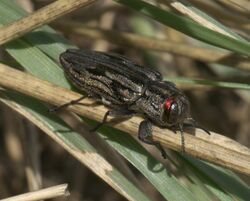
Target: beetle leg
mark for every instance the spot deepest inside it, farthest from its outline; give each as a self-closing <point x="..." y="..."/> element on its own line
<point x="73" y="102"/>
<point x="193" y="123"/>
<point x="145" y="135"/>
<point x="182" y="139"/>
<point x="114" y="113"/>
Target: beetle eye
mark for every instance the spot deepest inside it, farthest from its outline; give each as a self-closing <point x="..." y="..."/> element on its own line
<point x="169" y="103"/>
<point x="170" y="111"/>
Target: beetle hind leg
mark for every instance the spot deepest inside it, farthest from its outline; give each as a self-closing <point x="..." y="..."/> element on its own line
<point x="77" y="102"/>
<point x="73" y="102"/>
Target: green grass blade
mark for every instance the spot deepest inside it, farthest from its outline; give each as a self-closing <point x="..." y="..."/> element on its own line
<point x="230" y="182"/>
<point x="188" y="27"/>
<point x="38" y="64"/>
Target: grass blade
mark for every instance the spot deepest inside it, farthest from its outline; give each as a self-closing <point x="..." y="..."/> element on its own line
<point x="188" y="27"/>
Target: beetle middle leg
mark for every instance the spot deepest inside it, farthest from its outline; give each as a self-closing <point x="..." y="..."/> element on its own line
<point x="119" y="112"/>
<point x="145" y="135"/>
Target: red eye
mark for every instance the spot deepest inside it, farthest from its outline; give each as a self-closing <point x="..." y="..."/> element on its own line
<point x="168" y="103"/>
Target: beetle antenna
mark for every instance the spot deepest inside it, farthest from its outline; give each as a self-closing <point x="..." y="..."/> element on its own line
<point x="195" y="124"/>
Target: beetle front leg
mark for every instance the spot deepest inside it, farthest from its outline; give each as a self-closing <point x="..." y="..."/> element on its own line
<point x="182" y="139"/>
<point x="145" y="135"/>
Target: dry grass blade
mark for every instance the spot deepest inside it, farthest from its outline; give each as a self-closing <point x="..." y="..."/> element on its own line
<point x="39" y="18"/>
<point x="47" y="193"/>
<point x="214" y="148"/>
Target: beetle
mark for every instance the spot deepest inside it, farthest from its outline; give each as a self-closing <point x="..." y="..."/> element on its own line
<point x="127" y="88"/>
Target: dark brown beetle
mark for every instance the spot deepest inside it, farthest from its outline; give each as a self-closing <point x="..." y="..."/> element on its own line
<point x="127" y="88"/>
